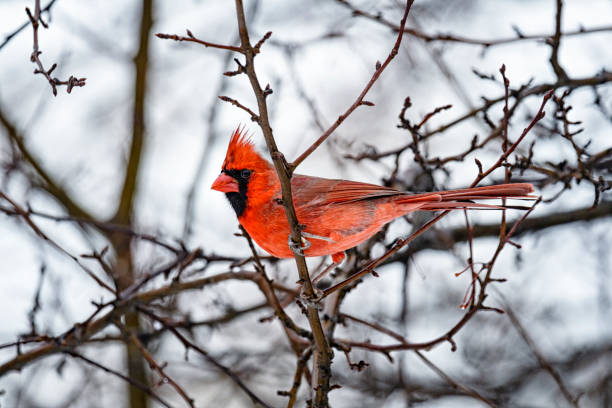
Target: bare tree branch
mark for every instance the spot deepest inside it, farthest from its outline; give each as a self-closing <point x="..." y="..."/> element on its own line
<point x="35" y="20"/>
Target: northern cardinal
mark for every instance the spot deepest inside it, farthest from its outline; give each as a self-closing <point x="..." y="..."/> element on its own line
<point x="337" y="214"/>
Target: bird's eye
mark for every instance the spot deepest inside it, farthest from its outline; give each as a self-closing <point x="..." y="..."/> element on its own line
<point x="245" y="174"/>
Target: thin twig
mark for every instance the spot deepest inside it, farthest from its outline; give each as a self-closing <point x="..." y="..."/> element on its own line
<point x="396" y="247"/>
<point x="297" y="378"/>
<point x="35" y="20"/>
<point x="467" y="390"/>
<point x="234" y="102"/>
<point x="82" y="331"/>
<point x="26" y="217"/>
<point x="555" y="43"/>
<point x="191" y="38"/>
<point x="127" y="379"/>
<point x="9" y="37"/>
<point x="190" y="345"/>
<point x="155" y="366"/>
<point x="600" y="78"/>
<point x="266" y="286"/>
<point x="541" y="360"/>
<point x="539" y="115"/>
<point x="359" y="101"/>
<point x="456" y="38"/>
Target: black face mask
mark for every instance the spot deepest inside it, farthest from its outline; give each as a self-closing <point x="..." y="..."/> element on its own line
<point x="239" y="200"/>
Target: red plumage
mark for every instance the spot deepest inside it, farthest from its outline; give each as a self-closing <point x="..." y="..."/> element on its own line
<point x="338" y="214"/>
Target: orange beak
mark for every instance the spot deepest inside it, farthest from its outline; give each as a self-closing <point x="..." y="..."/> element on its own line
<point x="225" y="184"/>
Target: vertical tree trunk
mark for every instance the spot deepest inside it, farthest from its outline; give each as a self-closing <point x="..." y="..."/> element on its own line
<point x="122" y="243"/>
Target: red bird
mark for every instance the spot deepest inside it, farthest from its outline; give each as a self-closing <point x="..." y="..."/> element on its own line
<point x="338" y="214"/>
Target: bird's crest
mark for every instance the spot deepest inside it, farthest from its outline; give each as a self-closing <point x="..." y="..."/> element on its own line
<point x="241" y="153"/>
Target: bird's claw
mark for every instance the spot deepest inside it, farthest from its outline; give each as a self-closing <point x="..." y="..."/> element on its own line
<point x="299" y="249"/>
<point x="305" y="243"/>
<point x="314" y="236"/>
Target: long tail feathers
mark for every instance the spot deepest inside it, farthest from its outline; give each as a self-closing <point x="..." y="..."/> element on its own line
<point x="457" y="199"/>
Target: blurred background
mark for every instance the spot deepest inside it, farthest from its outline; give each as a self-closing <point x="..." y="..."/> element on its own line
<point x="106" y="189"/>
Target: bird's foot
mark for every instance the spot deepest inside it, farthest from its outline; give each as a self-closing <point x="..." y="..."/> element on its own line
<point x="299" y="249"/>
<point x="315" y="236"/>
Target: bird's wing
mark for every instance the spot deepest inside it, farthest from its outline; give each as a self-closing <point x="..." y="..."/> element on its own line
<point x="320" y="191"/>
<point x="338" y="214"/>
<point x="350" y="191"/>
